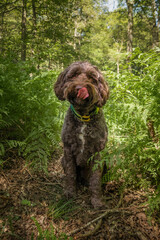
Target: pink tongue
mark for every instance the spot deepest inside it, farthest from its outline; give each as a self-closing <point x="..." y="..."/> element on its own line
<point x="83" y="93"/>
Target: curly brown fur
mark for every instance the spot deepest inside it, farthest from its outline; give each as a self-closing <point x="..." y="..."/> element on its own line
<point x="83" y="85"/>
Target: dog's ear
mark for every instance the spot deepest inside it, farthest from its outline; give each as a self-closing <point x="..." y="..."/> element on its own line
<point x="64" y="77"/>
<point x="103" y="91"/>
<point x="60" y="85"/>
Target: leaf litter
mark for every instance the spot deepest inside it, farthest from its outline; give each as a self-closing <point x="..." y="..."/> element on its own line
<point x="32" y="202"/>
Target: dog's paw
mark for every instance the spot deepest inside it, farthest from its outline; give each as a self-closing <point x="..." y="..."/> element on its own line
<point x="70" y="193"/>
<point x="98" y="203"/>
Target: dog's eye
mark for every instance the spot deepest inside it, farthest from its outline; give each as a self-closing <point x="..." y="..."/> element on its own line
<point x="94" y="80"/>
<point x="73" y="75"/>
<point x="93" y="76"/>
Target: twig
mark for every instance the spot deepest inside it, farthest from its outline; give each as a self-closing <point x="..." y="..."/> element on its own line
<point x="108" y="211"/>
<point x="120" y="200"/>
<point x="91" y="232"/>
<point x="6" y="178"/>
<point x="25" y="168"/>
<point x="49" y="183"/>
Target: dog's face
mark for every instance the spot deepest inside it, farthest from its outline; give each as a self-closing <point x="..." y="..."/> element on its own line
<point x="83" y="85"/>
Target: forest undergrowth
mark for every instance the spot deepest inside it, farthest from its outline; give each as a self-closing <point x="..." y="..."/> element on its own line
<point x="32" y="202"/>
<point x="33" y="206"/>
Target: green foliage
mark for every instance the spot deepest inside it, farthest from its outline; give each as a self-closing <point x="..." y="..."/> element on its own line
<point x="30" y="117"/>
<point x="154" y="201"/>
<point x="62" y="209"/>
<point x="28" y="203"/>
<point x="133" y="152"/>
<point x="52" y="30"/>
<point x="48" y="234"/>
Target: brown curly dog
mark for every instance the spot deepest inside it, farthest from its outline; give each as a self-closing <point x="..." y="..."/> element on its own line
<point x="84" y="132"/>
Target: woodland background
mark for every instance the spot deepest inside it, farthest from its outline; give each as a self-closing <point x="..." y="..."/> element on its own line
<point x="38" y="39"/>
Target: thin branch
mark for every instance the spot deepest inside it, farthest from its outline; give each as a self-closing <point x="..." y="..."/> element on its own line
<point x="91" y="232"/>
<point x="108" y="211"/>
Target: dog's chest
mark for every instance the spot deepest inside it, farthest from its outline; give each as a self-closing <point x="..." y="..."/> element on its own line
<point x="82" y="136"/>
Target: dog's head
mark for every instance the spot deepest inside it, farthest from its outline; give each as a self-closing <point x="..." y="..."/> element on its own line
<point x="82" y="84"/>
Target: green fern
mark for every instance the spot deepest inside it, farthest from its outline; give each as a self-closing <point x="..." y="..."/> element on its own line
<point x="154" y="202"/>
<point x="62" y="209"/>
<point x="132" y="154"/>
<point x="30" y="116"/>
<point x="36" y="150"/>
<point x="2" y="149"/>
<point x="48" y="234"/>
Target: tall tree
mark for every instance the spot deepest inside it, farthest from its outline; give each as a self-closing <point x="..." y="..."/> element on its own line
<point x="155" y="30"/>
<point x="130" y="25"/>
<point x="34" y="14"/>
<point x="2" y="32"/>
<point x="24" y="31"/>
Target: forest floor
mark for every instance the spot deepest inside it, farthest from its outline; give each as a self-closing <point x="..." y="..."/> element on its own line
<point x="30" y="203"/>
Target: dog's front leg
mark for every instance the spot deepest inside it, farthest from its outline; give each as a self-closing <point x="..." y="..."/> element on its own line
<point x="95" y="186"/>
<point x="69" y="167"/>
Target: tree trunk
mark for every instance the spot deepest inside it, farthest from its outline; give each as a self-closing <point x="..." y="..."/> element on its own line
<point x="117" y="66"/>
<point x="2" y="33"/>
<point x="24" y="32"/>
<point x="75" y="36"/>
<point x="130" y="25"/>
<point x="34" y="16"/>
<point x="34" y="30"/>
<point x="155" y="33"/>
<point x="158" y="17"/>
<point x="151" y="131"/>
<point x="118" y="59"/>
